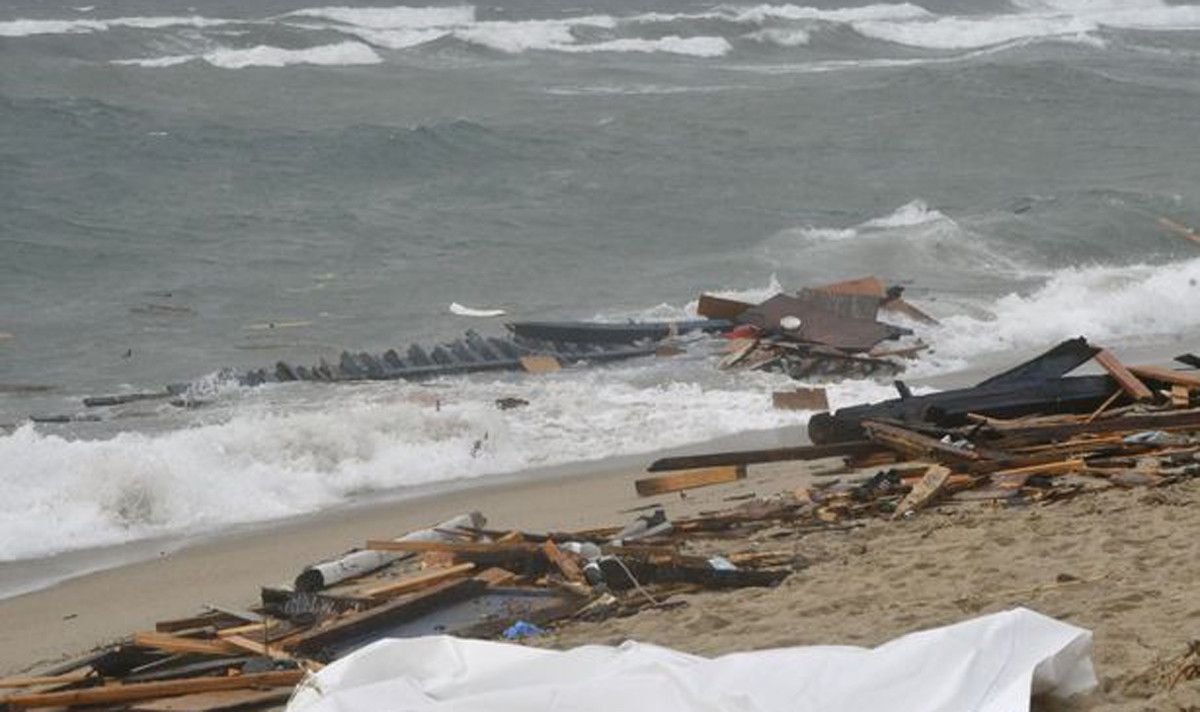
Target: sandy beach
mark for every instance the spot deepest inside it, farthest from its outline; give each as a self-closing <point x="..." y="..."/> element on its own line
<point x="1120" y="563"/>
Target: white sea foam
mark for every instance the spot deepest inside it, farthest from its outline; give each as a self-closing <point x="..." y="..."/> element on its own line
<point x="673" y="44"/>
<point x="763" y="13"/>
<point x="265" y="463"/>
<point x="339" y="54"/>
<point x="29" y="28"/>
<point x="1105" y="303"/>
<point x="783" y="37"/>
<point x="972" y="33"/>
<point x="912" y="214"/>
<point x="386" y="18"/>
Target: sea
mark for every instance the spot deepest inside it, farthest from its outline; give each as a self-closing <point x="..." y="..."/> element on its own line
<point x="193" y="188"/>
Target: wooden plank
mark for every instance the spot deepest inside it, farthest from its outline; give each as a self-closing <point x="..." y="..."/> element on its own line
<point x="711" y="307"/>
<point x="454" y="547"/>
<point x="900" y="306"/>
<point x="1181" y="396"/>
<point x="177" y="644"/>
<point x="392" y="613"/>
<point x="218" y="700"/>
<point x="866" y="286"/>
<point x="1179" y="229"/>
<point x="11" y="682"/>
<point x="1191" y="379"/>
<point x="418" y="581"/>
<point x="204" y="620"/>
<point x="1104" y="406"/>
<point x="496" y="576"/>
<point x="757" y="457"/>
<point x="564" y="561"/>
<point x="107" y="694"/>
<point x="689" y="480"/>
<point x="253" y="646"/>
<point x="1033" y="434"/>
<point x="915" y="444"/>
<point x="801" y="399"/>
<point x="924" y="492"/>
<point x="540" y="364"/>
<point x="1126" y="380"/>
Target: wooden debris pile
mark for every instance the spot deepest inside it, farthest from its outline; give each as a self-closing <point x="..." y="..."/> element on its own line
<point x="1029" y="435"/>
<point x="827" y="331"/>
<point x="456" y="578"/>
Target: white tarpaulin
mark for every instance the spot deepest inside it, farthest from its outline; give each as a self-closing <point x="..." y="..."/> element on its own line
<point x="989" y="664"/>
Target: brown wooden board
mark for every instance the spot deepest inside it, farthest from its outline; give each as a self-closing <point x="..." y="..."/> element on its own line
<point x="870" y="286"/>
<point x="1191" y="379"/>
<point x="689" y="479"/>
<point x="915" y="444"/>
<point x="924" y="492"/>
<point x="1126" y="380"/>
<point x="565" y="562"/>
<point x="712" y="307"/>
<point x="858" y="448"/>
<point x="178" y="644"/>
<point x="107" y="694"/>
<point x="415" y="582"/>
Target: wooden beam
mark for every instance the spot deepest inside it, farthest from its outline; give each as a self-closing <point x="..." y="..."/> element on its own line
<point x="866" y="286"/>
<point x="711" y="307"/>
<point x="689" y="479"/>
<point x="1126" y="380"/>
<point x="915" y="444"/>
<point x="564" y="561"/>
<point x="108" y="694"/>
<point x="12" y="682"/>
<point x="1191" y="379"/>
<point x="177" y="644"/>
<point x="924" y="492"/>
<point x="253" y="646"/>
<point x="1181" y="396"/>
<point x="758" y="457"/>
<point x="418" y="581"/>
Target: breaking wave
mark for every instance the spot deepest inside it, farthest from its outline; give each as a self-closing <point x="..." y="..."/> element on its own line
<point x="265" y="463"/>
<point x="1139" y="303"/>
<point x="724" y="27"/>
<point x="340" y="54"/>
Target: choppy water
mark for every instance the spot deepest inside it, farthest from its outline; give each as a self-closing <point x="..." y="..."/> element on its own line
<point x="173" y="176"/>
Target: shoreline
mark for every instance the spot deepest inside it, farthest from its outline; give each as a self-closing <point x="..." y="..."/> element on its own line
<point x="78" y="613"/>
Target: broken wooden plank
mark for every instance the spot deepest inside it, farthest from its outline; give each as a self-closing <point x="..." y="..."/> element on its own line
<point x="758" y="457"/>
<point x="496" y="576"/>
<point x="177" y="644"/>
<point x="1191" y="379"/>
<point x="418" y="581"/>
<point x="900" y="306"/>
<point x="405" y="608"/>
<point x="689" y="480"/>
<point x="1126" y="380"/>
<point x="455" y="547"/>
<point x="865" y="286"/>
<point x="915" y="444"/>
<point x="204" y="620"/>
<point x="712" y="307"/>
<point x="801" y="399"/>
<point x="107" y="694"/>
<point x="218" y="700"/>
<point x="540" y="364"/>
<point x="261" y="649"/>
<point x="565" y="562"/>
<point x="1181" y="396"/>
<point x="924" y="492"/>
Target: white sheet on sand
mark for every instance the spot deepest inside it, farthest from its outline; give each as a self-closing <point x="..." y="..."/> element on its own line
<point x="988" y="664"/>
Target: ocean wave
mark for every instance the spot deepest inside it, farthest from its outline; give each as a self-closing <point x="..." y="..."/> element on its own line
<point x="399" y="17"/>
<point x="1103" y="303"/>
<point x="30" y="28"/>
<point x="341" y="54"/>
<point x="263" y="464"/>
